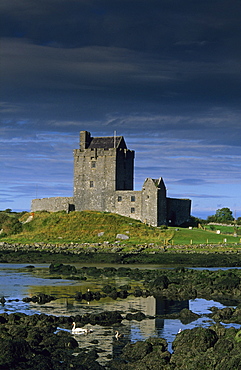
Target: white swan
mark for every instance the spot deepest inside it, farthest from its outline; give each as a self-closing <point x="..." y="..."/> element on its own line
<point x="118" y="335"/>
<point x="80" y="330"/>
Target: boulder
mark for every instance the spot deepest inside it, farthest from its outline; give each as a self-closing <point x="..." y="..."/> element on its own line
<point x="161" y="282"/>
<point x="122" y="236"/>
<point x="136" y="351"/>
<point x="13" y="351"/>
<point x="59" y="268"/>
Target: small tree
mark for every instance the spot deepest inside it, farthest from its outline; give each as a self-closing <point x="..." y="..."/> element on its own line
<point x="223" y="215"/>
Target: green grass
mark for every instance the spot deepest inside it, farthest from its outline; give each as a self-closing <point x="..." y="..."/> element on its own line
<point x="84" y="227"/>
<point x="229" y="230"/>
<point x="199" y="236"/>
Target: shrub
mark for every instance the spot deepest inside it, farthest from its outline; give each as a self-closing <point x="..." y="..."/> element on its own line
<point x="9" y="225"/>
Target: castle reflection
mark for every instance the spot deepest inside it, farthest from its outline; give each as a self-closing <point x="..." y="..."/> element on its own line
<point x="133" y="330"/>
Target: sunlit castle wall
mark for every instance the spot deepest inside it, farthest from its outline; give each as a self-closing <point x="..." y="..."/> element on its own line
<point x="102" y="165"/>
<point x="54" y="204"/>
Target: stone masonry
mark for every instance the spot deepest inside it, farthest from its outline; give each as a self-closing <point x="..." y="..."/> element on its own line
<point x="103" y="181"/>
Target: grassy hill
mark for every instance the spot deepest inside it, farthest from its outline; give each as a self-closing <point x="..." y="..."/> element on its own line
<point x="96" y="227"/>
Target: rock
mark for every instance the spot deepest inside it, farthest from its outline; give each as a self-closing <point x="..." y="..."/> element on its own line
<point x="151" y="354"/>
<point x="161" y="282"/>
<point x="223" y="314"/>
<point x="122" y="236"/>
<point x="136" y="351"/>
<point x="198" y="338"/>
<point x="41" y="298"/>
<point x="123" y="294"/>
<point x="59" y="268"/>
<point x="238" y="336"/>
<point x="228" y="282"/>
<point x="138" y="316"/>
<point x="105" y="318"/>
<point x="190" y="346"/>
<point x="138" y="292"/>
<point x="13" y="351"/>
<point x="187" y="316"/>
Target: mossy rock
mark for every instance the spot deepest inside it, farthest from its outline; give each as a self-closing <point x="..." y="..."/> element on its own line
<point x="12" y="351"/>
<point x="198" y="339"/>
<point x="136" y="351"/>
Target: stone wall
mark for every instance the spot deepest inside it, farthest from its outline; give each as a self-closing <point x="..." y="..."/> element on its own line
<point x="53" y="204"/>
<point x="126" y="203"/>
<point x="94" y="178"/>
<point x="98" y="172"/>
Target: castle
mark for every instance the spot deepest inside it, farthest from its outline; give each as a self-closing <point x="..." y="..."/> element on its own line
<point x="103" y="181"/>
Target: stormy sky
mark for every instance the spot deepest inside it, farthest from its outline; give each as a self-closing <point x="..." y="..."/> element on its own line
<point x="164" y="74"/>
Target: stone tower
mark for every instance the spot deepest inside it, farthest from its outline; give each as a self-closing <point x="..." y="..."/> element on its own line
<point x="102" y="165"/>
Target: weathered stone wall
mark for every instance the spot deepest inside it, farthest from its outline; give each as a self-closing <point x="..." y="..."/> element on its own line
<point x="126" y="203"/>
<point x="98" y="172"/>
<point x="53" y="204"/>
<point x="178" y="211"/>
<point x="94" y="177"/>
<point x="149" y="202"/>
<point x="154" y="209"/>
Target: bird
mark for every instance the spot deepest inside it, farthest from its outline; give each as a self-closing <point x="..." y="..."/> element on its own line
<point x="179" y="331"/>
<point x="118" y="335"/>
<point x="80" y="330"/>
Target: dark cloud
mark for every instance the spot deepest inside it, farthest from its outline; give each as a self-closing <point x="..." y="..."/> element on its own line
<point x="165" y="74"/>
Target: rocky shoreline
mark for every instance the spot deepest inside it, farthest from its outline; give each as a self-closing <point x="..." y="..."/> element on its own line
<point x="107" y="253"/>
<point x="44" y="342"/>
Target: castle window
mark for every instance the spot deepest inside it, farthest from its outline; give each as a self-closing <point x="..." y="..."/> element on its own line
<point x="93" y="164"/>
<point x="132" y="210"/>
<point x="133" y="198"/>
<point x="119" y="198"/>
<point x="91" y="184"/>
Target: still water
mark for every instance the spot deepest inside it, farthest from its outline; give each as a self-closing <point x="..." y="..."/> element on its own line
<point x="17" y="282"/>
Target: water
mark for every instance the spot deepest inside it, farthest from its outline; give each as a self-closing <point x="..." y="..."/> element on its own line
<point x="17" y="282"/>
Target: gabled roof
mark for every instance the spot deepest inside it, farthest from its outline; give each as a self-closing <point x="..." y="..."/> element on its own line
<point x="107" y="142"/>
<point x="158" y="183"/>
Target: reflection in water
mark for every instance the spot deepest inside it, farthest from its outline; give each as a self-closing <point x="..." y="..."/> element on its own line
<point x="165" y="306"/>
<point x="15" y="284"/>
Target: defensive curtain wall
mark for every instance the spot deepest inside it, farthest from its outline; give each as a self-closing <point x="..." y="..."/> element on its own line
<point x="103" y="181"/>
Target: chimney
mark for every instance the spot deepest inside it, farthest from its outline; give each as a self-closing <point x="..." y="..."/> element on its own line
<point x="85" y="139"/>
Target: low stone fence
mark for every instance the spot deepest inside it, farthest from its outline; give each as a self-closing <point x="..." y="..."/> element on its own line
<point x="106" y="247"/>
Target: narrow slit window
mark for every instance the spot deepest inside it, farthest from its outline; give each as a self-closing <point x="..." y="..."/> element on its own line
<point x="132" y="210"/>
<point x="119" y="198"/>
<point x="93" y="164"/>
<point x="91" y="184"/>
<point x="133" y="198"/>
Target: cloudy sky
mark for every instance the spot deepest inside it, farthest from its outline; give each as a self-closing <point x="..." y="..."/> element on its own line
<point x="165" y="74"/>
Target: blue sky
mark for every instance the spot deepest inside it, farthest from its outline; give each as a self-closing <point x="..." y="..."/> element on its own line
<point x="164" y="74"/>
